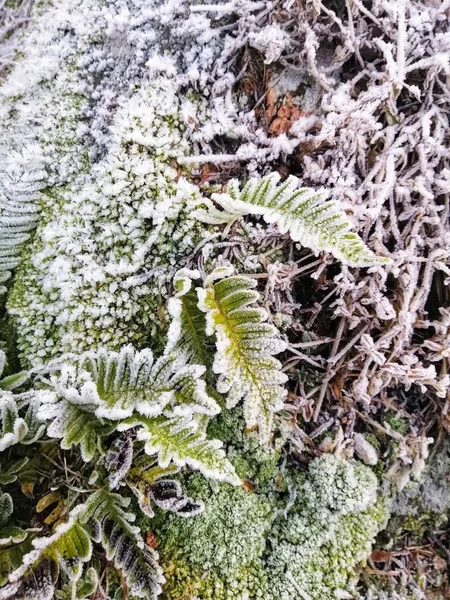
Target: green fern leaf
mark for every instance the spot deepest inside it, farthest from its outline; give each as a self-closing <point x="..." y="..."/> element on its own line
<point x="15" y="543"/>
<point x="123" y="380"/>
<point x="14" y="428"/>
<point x="68" y="547"/>
<point x="111" y="526"/>
<point x="18" y="418"/>
<point x="177" y="440"/>
<point x="11" y="382"/>
<point x="307" y="214"/>
<point x="188" y="326"/>
<point x="73" y="424"/>
<point x="119" y="383"/>
<point x="187" y="331"/>
<point x="245" y="347"/>
<point x="86" y="399"/>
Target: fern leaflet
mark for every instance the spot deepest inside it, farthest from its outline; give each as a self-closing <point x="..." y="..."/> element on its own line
<point x="18" y="418"/>
<point x="187" y="329"/>
<point x="21" y="179"/>
<point x="119" y="383"/>
<point x="73" y="424"/>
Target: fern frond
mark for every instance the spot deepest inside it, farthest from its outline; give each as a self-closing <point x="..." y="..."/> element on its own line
<point x="119" y="383"/>
<point x="15" y="543"/>
<point x="307" y="214"/>
<point x="177" y="440"/>
<point x="245" y="347"/>
<point x="187" y="332"/>
<point x="14" y="428"/>
<point x="123" y="380"/>
<point x="188" y="326"/>
<point x="111" y="526"/>
<point x="22" y="177"/>
<point x="118" y="459"/>
<point x="69" y="547"/>
<point x="18" y="412"/>
<point x="38" y="585"/>
<point x="168" y="494"/>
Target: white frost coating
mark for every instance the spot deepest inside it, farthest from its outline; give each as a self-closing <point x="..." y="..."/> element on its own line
<point x="271" y="40"/>
<point x="110" y="127"/>
<point x="365" y="450"/>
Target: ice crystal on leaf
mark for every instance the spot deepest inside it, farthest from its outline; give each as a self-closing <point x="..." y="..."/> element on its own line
<point x="307" y="214"/>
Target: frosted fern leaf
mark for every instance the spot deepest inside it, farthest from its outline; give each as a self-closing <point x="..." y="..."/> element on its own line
<point x="111" y="526"/>
<point x="306" y="214"/>
<point x="69" y="547"/>
<point x="118" y="460"/>
<point x="14" y="544"/>
<point x="18" y="419"/>
<point x="73" y="423"/>
<point x="245" y="347"/>
<point x="18" y="412"/>
<point x="122" y="382"/>
<point x="187" y="331"/>
<point x="178" y="440"/>
<point x="22" y="177"/>
<point x="112" y="385"/>
<point x="39" y="585"/>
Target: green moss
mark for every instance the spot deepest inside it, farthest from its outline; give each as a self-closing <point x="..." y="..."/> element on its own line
<point x="252" y="461"/>
<point x="396" y="423"/>
<point x="294" y="536"/>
